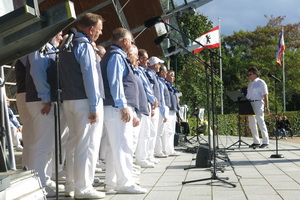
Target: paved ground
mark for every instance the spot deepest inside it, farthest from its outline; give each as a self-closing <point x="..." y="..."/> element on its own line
<point x="255" y="175"/>
<point x="293" y="140"/>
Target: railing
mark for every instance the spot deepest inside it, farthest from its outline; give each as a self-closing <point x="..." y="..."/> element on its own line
<point x="7" y="153"/>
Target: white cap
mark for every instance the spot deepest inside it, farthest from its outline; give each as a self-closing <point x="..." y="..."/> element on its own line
<point x="154" y="60"/>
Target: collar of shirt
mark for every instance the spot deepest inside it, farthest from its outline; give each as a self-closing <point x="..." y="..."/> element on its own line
<point x="170" y="86"/>
<point x="151" y="70"/>
<point x="120" y="50"/>
<point x="173" y="87"/>
<point x="255" y="80"/>
<point x="50" y="47"/>
<point x="83" y="34"/>
<point x="142" y="68"/>
<point x="161" y="79"/>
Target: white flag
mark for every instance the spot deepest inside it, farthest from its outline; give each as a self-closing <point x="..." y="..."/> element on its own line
<point x="209" y="39"/>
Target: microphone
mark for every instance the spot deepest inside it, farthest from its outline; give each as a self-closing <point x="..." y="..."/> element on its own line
<point x="152" y="21"/>
<point x="274" y="77"/>
<point x="159" y="39"/>
<point x="68" y="42"/>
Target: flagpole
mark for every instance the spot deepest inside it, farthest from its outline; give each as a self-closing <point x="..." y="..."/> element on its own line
<point x="283" y="77"/>
<point x="221" y="69"/>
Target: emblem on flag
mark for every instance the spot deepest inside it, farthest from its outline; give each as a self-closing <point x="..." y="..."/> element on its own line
<point x="209" y="40"/>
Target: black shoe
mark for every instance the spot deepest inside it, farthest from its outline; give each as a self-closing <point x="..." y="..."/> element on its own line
<point x="254" y="145"/>
<point x="264" y="146"/>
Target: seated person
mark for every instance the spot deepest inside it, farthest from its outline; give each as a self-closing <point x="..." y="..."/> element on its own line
<point x="287" y="125"/>
<point x="280" y="127"/>
<point x="15" y="128"/>
<point x="180" y="123"/>
<point x="202" y="126"/>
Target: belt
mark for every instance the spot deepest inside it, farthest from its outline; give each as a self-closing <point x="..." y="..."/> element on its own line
<point x="254" y="100"/>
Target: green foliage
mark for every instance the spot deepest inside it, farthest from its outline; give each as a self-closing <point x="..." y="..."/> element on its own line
<point x="240" y="51"/>
<point x="194" y="25"/>
<point x="191" y="71"/>
<point x="258" y="48"/>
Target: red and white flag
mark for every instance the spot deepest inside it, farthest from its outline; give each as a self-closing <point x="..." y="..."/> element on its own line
<point x="210" y="39"/>
<point x="281" y="48"/>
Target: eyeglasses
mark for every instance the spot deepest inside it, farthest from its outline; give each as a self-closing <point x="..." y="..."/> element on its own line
<point x="144" y="58"/>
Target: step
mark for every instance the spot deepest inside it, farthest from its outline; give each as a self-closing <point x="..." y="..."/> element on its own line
<point x="23" y="184"/>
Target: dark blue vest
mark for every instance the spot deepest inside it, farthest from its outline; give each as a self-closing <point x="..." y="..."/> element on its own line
<point x="20" y="72"/>
<point x="143" y="101"/>
<point x="153" y="80"/>
<point x="71" y="80"/>
<point x="166" y="93"/>
<point x="129" y="82"/>
<point x="173" y="97"/>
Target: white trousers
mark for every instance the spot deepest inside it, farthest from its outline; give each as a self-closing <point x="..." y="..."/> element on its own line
<point x="83" y="144"/>
<point x="169" y="133"/>
<point x="119" y="154"/>
<point x="141" y="152"/>
<point x="42" y="143"/>
<point x="103" y="144"/>
<point x="135" y="136"/>
<point x="160" y="132"/>
<point x="16" y="136"/>
<point x="153" y="132"/>
<point x="25" y="119"/>
<point x="258" y="107"/>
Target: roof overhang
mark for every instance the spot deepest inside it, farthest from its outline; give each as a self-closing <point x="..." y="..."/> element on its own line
<point x="25" y="29"/>
<point x="130" y="14"/>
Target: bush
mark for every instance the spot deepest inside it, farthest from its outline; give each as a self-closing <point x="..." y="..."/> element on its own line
<point x="228" y="124"/>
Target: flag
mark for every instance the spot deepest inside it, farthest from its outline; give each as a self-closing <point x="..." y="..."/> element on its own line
<point x="281" y="48"/>
<point x="209" y="39"/>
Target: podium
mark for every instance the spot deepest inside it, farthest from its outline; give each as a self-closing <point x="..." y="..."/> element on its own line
<point x="244" y="109"/>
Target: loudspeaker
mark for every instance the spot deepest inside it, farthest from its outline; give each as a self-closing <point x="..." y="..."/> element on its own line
<point x="202" y="159"/>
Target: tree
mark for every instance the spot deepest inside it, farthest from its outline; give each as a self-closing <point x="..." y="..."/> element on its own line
<point x="240" y="51"/>
<point x="191" y="71"/>
<point x="258" y="48"/>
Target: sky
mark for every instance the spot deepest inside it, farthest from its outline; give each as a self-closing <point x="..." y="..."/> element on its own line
<point x="246" y="15"/>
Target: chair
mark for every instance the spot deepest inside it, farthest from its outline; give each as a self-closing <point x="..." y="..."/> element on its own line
<point x="201" y="128"/>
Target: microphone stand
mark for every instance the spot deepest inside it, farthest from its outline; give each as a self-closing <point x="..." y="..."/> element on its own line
<point x="58" y="155"/>
<point x="214" y="175"/>
<point x="207" y="92"/>
<point x="57" y="127"/>
<point x="276" y="117"/>
<point x="211" y="53"/>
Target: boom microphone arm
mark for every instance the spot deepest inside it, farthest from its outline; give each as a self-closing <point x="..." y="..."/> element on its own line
<point x="159" y="39"/>
<point x="154" y="20"/>
<point x="274" y="77"/>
